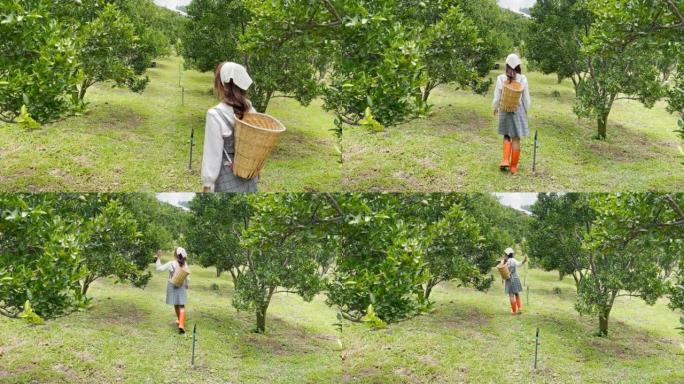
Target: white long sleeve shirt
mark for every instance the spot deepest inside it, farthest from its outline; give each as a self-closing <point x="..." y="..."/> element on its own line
<point x="515" y="263"/>
<point x="216" y="129"/>
<point x="171" y="266"/>
<point x="526" y="100"/>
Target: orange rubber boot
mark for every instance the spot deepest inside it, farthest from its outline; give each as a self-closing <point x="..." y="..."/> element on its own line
<point x="513" y="307"/>
<point x="518" y="302"/>
<point x="506" y="162"/>
<point x="181" y="321"/>
<point x="515" y="158"/>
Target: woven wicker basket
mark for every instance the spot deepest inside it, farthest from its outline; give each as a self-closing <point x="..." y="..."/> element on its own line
<point x="511" y="95"/>
<point x="503" y="271"/>
<point x="179" y="276"/>
<point x="255" y="137"/>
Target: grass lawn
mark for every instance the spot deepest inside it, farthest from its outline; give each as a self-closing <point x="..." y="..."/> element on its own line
<point x="128" y="336"/>
<point x="457" y="148"/>
<point x="140" y="142"/>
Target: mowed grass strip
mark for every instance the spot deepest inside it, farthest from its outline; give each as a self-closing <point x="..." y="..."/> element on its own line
<point x="140" y="142"/>
<point x="457" y="148"/>
<point x="471" y="337"/>
<point x="128" y="335"/>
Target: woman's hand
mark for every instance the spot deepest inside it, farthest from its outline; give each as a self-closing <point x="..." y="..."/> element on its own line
<point x="496" y="111"/>
<point x="206" y="189"/>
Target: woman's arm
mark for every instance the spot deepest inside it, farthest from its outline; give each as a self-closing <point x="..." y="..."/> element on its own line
<point x="527" y="101"/>
<point x="497" y="94"/>
<point x="520" y="263"/>
<point x="213" y="151"/>
<point x="161" y="268"/>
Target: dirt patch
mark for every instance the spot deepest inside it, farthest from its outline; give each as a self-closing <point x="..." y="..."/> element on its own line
<point x="460" y="320"/>
<point x="67" y="371"/>
<point x="123" y="314"/>
<point x="429" y="360"/>
<point x="85" y="356"/>
<point x="326" y="337"/>
<point x="407" y="374"/>
<point x="427" y="162"/>
<point x="360" y="375"/>
<point x="271" y="345"/>
<point x="112" y="118"/>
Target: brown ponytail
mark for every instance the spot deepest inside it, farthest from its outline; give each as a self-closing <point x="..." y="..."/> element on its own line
<point x="231" y="94"/>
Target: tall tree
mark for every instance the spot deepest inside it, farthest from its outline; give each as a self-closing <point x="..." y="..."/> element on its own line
<point x="558" y="231"/>
<point x="273" y="243"/>
<point x="631" y="250"/>
<point x="628" y="249"/>
<point x="286" y="249"/>
<point x="652" y="25"/>
<point x="215" y="228"/>
<point x="38" y="66"/>
<point x="40" y="257"/>
<point x="107" y="50"/>
<point x="396" y="248"/>
<point x="561" y="41"/>
<point x="281" y="62"/>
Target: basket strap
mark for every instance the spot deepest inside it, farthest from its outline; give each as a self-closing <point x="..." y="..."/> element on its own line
<point x="225" y="120"/>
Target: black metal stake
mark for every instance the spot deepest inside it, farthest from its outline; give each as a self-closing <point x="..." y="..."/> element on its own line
<point x="536" y="146"/>
<point x="536" y="348"/>
<point x="194" y="339"/>
<point x="182" y="96"/>
<point x="192" y="144"/>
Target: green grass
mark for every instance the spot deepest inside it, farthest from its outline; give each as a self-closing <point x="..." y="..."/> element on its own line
<point x="140" y="142"/>
<point x="128" y="336"/>
<point x="457" y="148"/>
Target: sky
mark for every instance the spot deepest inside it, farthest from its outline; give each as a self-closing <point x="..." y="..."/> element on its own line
<point x="513" y="200"/>
<point x="516" y="4"/>
<point x="511" y="4"/>
<point x="516" y="200"/>
<point x="172" y="3"/>
<point x="174" y="198"/>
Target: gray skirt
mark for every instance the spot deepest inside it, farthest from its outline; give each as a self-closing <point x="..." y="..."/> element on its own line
<point x="176" y="296"/>
<point x="514" y="124"/>
<point x="228" y="182"/>
<point x="513" y="285"/>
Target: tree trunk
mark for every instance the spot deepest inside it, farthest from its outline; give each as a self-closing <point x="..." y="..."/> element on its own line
<point x="427" y="292"/>
<point x="561" y="275"/>
<point x="602" y="122"/>
<point x="603" y="323"/>
<point x="84" y="87"/>
<point x="431" y="283"/>
<point x="428" y="89"/>
<point x="261" y="319"/>
<point x="86" y="284"/>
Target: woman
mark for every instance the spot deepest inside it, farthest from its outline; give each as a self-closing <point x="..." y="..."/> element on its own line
<point x="231" y="82"/>
<point x="176" y="296"/>
<point x="513" y="287"/>
<point x="512" y="125"/>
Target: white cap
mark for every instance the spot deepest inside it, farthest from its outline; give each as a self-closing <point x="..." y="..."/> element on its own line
<point x="509" y="251"/>
<point x="237" y="73"/>
<point x="513" y="60"/>
<point x="181" y="251"/>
